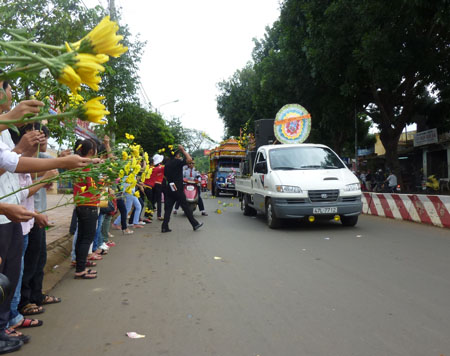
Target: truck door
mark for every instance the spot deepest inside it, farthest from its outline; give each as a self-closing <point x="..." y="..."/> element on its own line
<point x="259" y="172"/>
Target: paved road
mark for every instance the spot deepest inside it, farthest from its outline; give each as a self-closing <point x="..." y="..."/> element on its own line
<point x="381" y="288"/>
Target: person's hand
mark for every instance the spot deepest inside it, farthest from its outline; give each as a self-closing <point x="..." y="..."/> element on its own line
<point x="50" y="174"/>
<point x="41" y="220"/>
<point x="65" y="153"/>
<point x="29" y="142"/>
<point x="180" y="147"/>
<point x="23" y="108"/>
<point x="97" y="160"/>
<point x="16" y="213"/>
<point x="106" y="140"/>
<point x="74" y="161"/>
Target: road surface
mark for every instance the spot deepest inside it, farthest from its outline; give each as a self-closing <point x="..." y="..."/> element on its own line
<point x="237" y="288"/>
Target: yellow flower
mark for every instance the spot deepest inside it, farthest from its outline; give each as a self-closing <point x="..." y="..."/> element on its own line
<point x="69" y="77"/>
<point x="121" y="173"/>
<point x="88" y="67"/>
<point x="129" y="137"/>
<point x="137" y="169"/>
<point x="94" y="111"/>
<point x="124" y="155"/>
<point x="129" y="190"/>
<point x="127" y="168"/>
<point x="163" y="149"/>
<point x="137" y="194"/>
<point x="83" y="189"/>
<point x="102" y="39"/>
<point x="75" y="99"/>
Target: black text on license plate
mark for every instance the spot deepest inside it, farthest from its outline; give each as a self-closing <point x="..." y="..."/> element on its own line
<point x="330" y="210"/>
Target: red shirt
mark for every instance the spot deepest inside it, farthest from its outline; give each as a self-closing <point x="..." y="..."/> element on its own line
<point x="156" y="177"/>
<point x="94" y="199"/>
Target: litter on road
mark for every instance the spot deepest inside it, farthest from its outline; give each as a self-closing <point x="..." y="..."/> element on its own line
<point x="134" y="335"/>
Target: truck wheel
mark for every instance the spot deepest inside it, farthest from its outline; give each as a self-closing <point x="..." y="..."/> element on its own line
<point x="349" y="220"/>
<point x="248" y="210"/>
<point x="272" y="221"/>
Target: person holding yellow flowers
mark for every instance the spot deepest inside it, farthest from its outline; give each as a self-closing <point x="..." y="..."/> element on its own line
<point x="87" y="200"/>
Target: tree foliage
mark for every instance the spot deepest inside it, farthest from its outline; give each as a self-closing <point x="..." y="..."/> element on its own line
<point x="346" y="60"/>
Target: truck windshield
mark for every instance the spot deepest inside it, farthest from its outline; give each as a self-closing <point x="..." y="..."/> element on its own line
<point x="304" y="158"/>
<point x="229" y="167"/>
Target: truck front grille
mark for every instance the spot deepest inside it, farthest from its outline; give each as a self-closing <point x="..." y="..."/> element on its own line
<point x="317" y="196"/>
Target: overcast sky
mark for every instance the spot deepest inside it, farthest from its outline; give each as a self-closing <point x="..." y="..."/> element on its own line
<point x="191" y="46"/>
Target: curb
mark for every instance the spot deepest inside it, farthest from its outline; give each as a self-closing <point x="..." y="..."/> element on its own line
<point x="57" y="265"/>
<point x="425" y="209"/>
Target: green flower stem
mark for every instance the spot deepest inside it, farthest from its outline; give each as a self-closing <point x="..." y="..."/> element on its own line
<point x="24" y="120"/>
<point x="13" y="59"/>
<point x="38" y="45"/>
<point x="27" y="68"/>
<point x="27" y="53"/>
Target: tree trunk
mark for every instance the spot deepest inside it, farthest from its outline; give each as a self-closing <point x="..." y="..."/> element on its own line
<point x="390" y="143"/>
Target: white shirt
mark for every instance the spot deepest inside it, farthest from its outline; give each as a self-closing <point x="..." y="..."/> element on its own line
<point x="190" y="173"/>
<point x="392" y="180"/>
<point x="9" y="182"/>
<point x="8" y="159"/>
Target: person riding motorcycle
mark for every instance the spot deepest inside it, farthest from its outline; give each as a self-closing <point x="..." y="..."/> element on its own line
<point x="190" y="173"/>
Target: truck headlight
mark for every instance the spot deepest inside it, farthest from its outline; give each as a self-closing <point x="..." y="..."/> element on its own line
<point x="352" y="187"/>
<point x="288" y="189"/>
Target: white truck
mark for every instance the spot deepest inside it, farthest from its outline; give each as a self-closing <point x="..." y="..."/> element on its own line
<point x="294" y="181"/>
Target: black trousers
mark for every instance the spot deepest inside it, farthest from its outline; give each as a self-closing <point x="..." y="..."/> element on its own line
<point x="33" y="267"/>
<point x="149" y="194"/>
<point x="11" y="245"/>
<point x="170" y="198"/>
<point x="201" y="206"/>
<point x="73" y="222"/>
<point x="87" y="225"/>
<point x="157" y="192"/>
<point x="123" y="213"/>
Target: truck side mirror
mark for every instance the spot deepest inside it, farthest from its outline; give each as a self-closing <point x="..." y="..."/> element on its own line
<point x="261" y="167"/>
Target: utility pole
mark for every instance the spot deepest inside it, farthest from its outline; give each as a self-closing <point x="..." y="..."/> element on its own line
<point x="356" y="142"/>
<point x="112" y="9"/>
<point x="112" y="15"/>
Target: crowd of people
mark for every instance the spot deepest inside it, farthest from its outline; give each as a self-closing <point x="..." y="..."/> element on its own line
<point x="23" y="252"/>
<point x="378" y="181"/>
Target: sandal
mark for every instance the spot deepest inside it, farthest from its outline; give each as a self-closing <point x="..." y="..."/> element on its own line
<point x="110" y="235"/>
<point x="88" y="264"/>
<point x="137" y="226"/>
<point x="85" y="276"/>
<point x="31" y="309"/>
<point x="28" y="323"/>
<point x="91" y="271"/>
<point x="95" y="257"/>
<point x="50" y="299"/>
<point x="14" y="334"/>
<point x="127" y="232"/>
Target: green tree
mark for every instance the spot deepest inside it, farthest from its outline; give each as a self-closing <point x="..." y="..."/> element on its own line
<point x="382" y="54"/>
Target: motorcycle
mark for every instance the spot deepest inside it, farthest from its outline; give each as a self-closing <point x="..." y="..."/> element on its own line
<point x="204" y="183"/>
<point x="190" y="190"/>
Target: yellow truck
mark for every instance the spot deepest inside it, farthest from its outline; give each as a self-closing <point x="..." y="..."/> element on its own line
<point x="224" y="163"/>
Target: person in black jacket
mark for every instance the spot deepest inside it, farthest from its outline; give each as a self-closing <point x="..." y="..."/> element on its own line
<point x="173" y="173"/>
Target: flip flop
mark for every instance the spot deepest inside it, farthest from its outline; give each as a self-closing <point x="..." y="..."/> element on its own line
<point x="28" y="323"/>
<point x="85" y="276"/>
<point x="31" y="309"/>
<point x="50" y="299"/>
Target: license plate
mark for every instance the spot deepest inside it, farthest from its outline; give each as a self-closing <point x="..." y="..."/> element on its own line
<point x="332" y="210"/>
